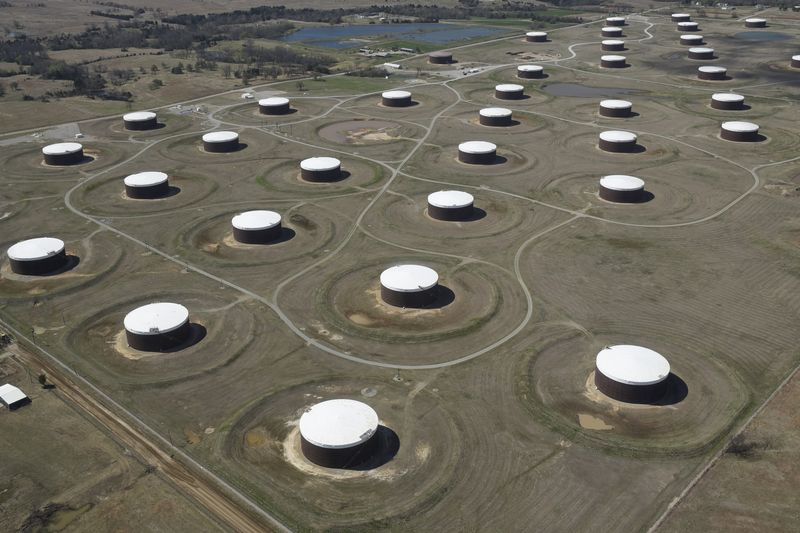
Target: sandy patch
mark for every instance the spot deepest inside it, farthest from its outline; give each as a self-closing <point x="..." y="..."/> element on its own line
<point x="588" y="421"/>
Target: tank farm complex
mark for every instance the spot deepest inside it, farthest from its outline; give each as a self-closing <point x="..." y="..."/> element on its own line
<point x="534" y="283"/>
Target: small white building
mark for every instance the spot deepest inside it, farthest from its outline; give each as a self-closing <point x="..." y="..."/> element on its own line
<point x="12" y="397"/>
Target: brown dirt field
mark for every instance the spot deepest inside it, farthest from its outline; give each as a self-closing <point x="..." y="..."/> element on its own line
<point x="491" y="395"/>
<point x="754" y="490"/>
<point x="61" y="472"/>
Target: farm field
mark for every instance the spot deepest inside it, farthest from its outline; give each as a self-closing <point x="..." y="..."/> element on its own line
<point x="490" y="391"/>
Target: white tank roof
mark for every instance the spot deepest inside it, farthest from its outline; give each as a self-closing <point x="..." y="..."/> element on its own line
<point x="273" y="101"/>
<point x="618" y="136"/>
<point x="450" y="199"/>
<point x="35" y="249"/>
<point x="687" y="24"/>
<point x="409" y="278"/>
<point x="702" y="50"/>
<point x="681" y="15"/>
<point x="530" y="68"/>
<point x="621" y="182"/>
<point x="338" y="424"/>
<point x="615" y="19"/>
<point x="612" y="42"/>
<point x="611" y="29"/>
<point x="740" y="127"/>
<point x="632" y="365"/>
<point x="509" y="87"/>
<point x="138" y="116"/>
<point x="693" y="37"/>
<point x="796" y="58"/>
<point x="156" y="318"/>
<point x="712" y="69"/>
<point x="727" y="97"/>
<point x="612" y="58"/>
<point x="62" y="148"/>
<point x="396" y="95"/>
<point x="755" y="19"/>
<point x="615" y="104"/>
<point x="494" y="112"/>
<point x="145" y="179"/>
<point x="477" y="147"/>
<point x="220" y="136"/>
<point x="256" y="220"/>
<point x="536" y="33"/>
<point x="320" y="164"/>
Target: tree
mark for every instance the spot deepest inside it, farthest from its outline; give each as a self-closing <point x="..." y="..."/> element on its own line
<point x="300" y="85"/>
<point x="14" y="86"/>
<point x="2" y="89"/>
<point x="43" y="379"/>
<point x="226" y="71"/>
<point x="156" y="84"/>
<point x="153" y="68"/>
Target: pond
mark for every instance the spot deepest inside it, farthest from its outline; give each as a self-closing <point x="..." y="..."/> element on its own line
<point x="577" y="90"/>
<point x="351" y="35"/>
<point x="762" y="36"/>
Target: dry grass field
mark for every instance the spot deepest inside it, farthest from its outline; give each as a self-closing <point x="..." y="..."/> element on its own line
<point x="490" y="393"/>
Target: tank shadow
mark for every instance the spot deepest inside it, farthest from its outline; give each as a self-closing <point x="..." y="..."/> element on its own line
<point x="387" y="447"/>
<point x="677" y="391"/>
<point x="197" y="332"/>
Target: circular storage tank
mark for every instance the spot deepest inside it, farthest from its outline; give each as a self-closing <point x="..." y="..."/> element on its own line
<point x="611" y="31"/>
<point x="477" y="152"/>
<point x="615" y="108"/>
<point x="339" y="433"/>
<point x="621" y="189"/>
<point x="691" y="40"/>
<point x="256" y="227"/>
<point x="681" y="17"/>
<point x="688" y="26"/>
<point x="495" y="116"/>
<point x="221" y="141"/>
<point x="612" y="61"/>
<point x="450" y="205"/>
<point x="712" y="73"/>
<point x="409" y="285"/>
<point x="321" y="169"/>
<point x="701" y="53"/>
<point x="396" y="98"/>
<point x="275" y="105"/>
<point x="536" y="36"/>
<point x="727" y="101"/>
<point x="146" y="185"/>
<point x="631" y="374"/>
<point x="755" y="23"/>
<point x="509" y="91"/>
<point x="157" y="327"/>
<point x="529" y="72"/>
<point x="34" y="257"/>
<point x="739" y="131"/>
<point x="615" y="21"/>
<point x="440" y="58"/>
<point x="796" y="61"/>
<point x="60" y="154"/>
<point x="140" y="120"/>
<point x="613" y="45"/>
<point x="617" y="141"/>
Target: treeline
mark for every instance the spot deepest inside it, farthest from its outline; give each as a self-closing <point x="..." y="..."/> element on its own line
<point x="417" y="12"/>
<point x="149" y="34"/>
<point x="270" y="61"/>
<point x="118" y="16"/>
